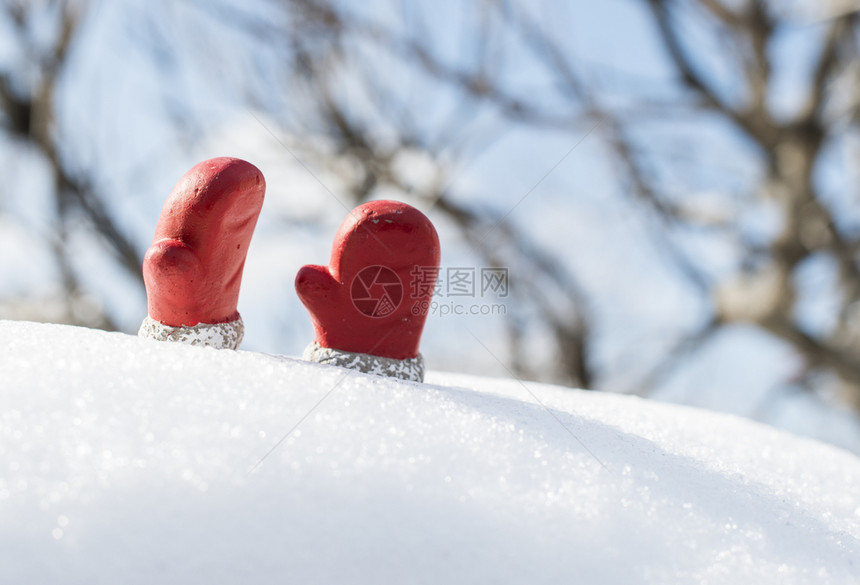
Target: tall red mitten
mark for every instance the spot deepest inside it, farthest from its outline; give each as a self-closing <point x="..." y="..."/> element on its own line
<point x="193" y="269"/>
<point x="368" y="306"/>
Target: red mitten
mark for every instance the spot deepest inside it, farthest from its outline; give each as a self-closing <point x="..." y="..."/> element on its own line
<point x="368" y="306"/>
<point x="193" y="269"/>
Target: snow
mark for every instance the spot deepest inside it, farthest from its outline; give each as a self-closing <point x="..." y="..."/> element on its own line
<point x="125" y="460"/>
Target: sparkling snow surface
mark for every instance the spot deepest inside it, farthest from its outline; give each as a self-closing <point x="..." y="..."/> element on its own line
<point x="127" y="461"/>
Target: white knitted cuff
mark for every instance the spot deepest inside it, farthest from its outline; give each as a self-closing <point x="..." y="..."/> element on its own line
<point x="411" y="369"/>
<point x="218" y="335"/>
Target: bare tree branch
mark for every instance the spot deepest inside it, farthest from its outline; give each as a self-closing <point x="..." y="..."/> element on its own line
<point x="760" y="129"/>
<point x="30" y="116"/>
<point x="828" y="63"/>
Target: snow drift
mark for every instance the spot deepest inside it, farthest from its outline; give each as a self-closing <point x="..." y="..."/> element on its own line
<point x="130" y="461"/>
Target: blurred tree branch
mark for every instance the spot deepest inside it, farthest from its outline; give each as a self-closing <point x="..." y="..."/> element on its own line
<point x="28" y="101"/>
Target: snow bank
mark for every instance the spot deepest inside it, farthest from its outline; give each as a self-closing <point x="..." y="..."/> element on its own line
<point x="129" y="461"/>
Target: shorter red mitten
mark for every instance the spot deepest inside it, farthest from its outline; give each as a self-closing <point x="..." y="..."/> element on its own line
<point x="368" y="306"/>
<point x="193" y="270"/>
